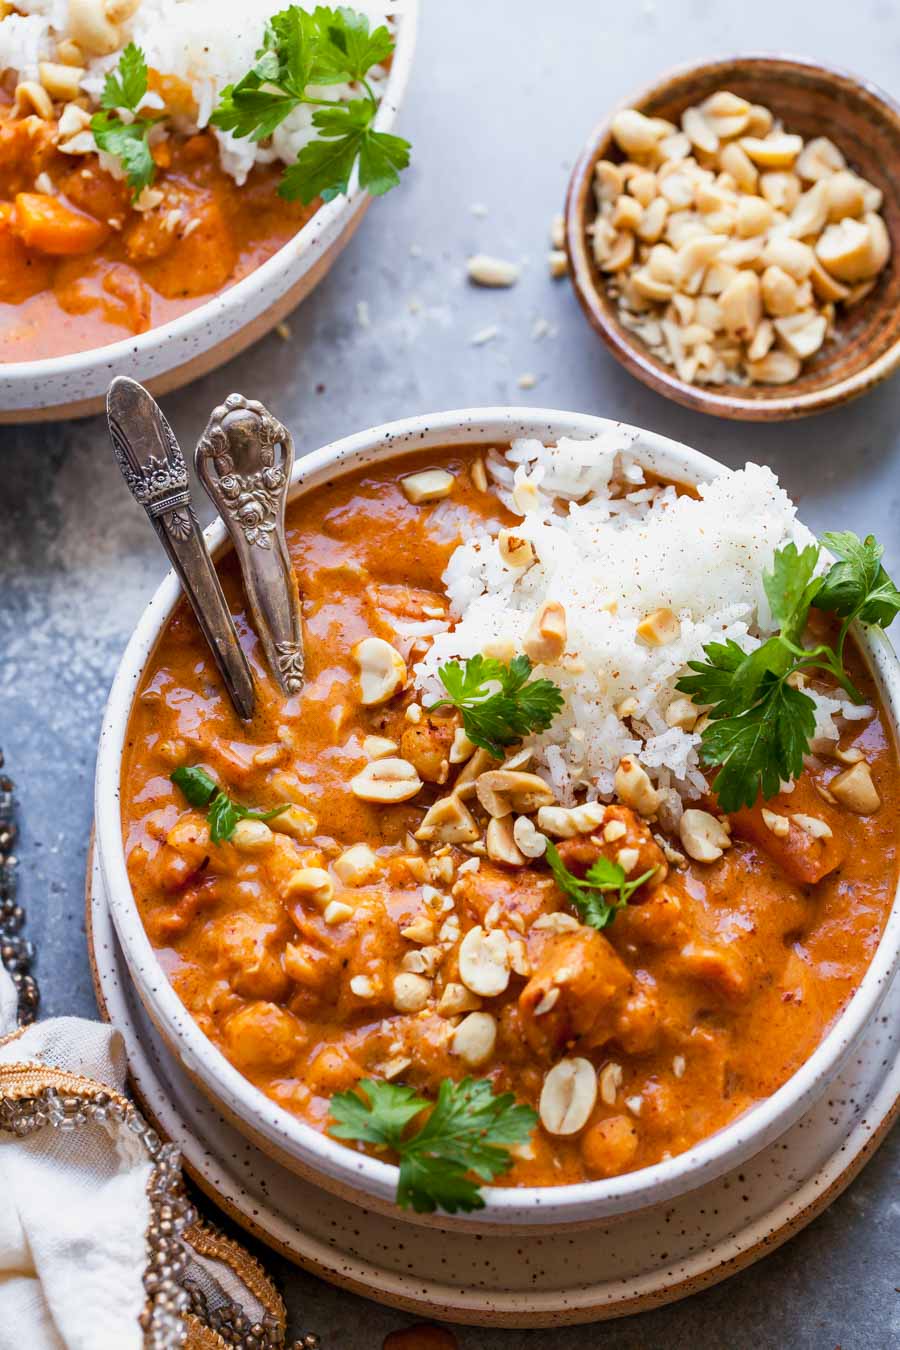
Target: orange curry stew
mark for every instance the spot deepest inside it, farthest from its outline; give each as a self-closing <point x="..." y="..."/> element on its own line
<point x="701" y="998"/>
<point x="81" y="267"/>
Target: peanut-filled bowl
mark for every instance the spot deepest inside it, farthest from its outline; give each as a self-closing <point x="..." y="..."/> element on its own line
<point x="565" y="964"/>
<point x="701" y="257"/>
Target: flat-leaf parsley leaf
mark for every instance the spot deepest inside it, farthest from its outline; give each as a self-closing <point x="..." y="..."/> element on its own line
<point x="470" y="1130"/>
<point x="760" y="725"/>
<point x="604" y="878"/>
<point x="303" y="51"/>
<point x="498" y="702"/>
<point x="222" y="812"/>
<point x="124" y="89"/>
<point x="858" y="584"/>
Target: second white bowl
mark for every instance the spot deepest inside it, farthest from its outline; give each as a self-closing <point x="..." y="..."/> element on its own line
<point x="167" y="357"/>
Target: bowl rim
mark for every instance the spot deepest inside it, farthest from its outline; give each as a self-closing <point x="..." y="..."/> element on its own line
<point x="333" y="1164"/>
<point x="226" y="306"/>
<point x="630" y="352"/>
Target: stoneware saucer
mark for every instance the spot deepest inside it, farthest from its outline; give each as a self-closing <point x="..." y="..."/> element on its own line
<point x="637" y="1262"/>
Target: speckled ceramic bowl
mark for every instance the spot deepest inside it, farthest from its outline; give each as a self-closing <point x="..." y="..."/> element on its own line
<point x="322" y="1160"/>
<point x="171" y="355"/>
<point x="812" y="100"/>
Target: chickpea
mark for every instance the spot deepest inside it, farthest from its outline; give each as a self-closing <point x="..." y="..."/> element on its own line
<point x="426" y="745"/>
<point x="264" y="979"/>
<point x="262" y="1037"/>
<point x="609" y="1147"/>
<point x="183" y="853"/>
<point x="332" y="1070"/>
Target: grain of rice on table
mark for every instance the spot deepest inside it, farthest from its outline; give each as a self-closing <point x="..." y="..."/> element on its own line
<point x="612" y="548"/>
<point x="207" y="44"/>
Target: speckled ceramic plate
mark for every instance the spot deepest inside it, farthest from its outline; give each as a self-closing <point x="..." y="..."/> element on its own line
<point x="627" y="1266"/>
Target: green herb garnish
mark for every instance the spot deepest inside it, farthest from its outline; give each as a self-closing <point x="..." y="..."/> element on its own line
<point x="499" y="704"/>
<point x="222" y="813"/>
<point x="128" y="141"/>
<point x="302" y="52"/>
<point x="603" y="878"/>
<point x="469" y="1130"/>
<point x="760" y="725"/>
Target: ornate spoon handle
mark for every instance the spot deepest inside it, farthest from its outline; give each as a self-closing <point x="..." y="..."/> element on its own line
<point x="154" y="469"/>
<point x="244" y="460"/>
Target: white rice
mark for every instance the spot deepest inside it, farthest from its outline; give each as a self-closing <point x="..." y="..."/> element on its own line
<point x="612" y="549"/>
<point x="207" y="43"/>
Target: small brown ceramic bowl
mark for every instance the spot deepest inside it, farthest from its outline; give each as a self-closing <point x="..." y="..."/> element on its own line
<point x="811" y="100"/>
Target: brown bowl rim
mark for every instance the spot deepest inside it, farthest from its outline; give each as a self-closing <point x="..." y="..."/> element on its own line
<point x="630" y="352"/>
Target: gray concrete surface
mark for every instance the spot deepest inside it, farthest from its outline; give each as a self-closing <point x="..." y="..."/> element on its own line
<point x="502" y="95"/>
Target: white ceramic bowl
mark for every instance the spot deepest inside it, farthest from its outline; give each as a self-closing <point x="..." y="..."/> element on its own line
<point x="302" y="1148"/>
<point x="171" y="355"/>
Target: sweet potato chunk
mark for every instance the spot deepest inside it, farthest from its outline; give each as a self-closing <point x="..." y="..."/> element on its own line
<point x="800" y="856"/>
<point x="580" y="852"/>
<point x="718" y="966"/>
<point x="22" y="273"/>
<point x="248" y="959"/>
<point x="577" y="992"/>
<point x="657" y="923"/>
<point x="204" y="253"/>
<point x="27" y="147"/>
<point x="46" y="224"/>
<point x="523" y="893"/>
<point x="94" y="191"/>
<point x="168" y="925"/>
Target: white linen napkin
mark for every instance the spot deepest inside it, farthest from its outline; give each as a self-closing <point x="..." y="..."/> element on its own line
<point x="75" y="1207"/>
<point x="82" y="1184"/>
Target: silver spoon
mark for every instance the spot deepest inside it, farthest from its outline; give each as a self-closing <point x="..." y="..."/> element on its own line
<point x="244" y="460"/>
<point x="154" y="469"/>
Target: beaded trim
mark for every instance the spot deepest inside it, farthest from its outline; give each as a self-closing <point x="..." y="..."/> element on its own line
<point x="176" y="1314"/>
<point x="227" y="1318"/>
<point x="34" y="1096"/>
<point x="16" y="951"/>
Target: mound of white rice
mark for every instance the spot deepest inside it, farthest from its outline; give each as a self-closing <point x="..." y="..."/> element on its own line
<point x="612" y="549"/>
<point x="207" y="43"/>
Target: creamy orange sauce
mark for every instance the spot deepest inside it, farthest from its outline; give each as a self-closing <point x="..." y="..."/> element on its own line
<point x="80" y="267"/>
<point x="708" y="992"/>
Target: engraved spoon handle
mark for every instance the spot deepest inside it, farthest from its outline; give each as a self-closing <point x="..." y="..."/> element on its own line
<point x="154" y="469"/>
<point x="244" y="460"/>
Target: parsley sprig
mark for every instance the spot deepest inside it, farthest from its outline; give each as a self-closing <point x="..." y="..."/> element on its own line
<point x="604" y="878"/>
<point x="760" y="725"/>
<point x="302" y="52"/>
<point x="222" y="813"/>
<point x="498" y="702"/>
<point x="124" y="89"/>
<point x="469" y="1131"/>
